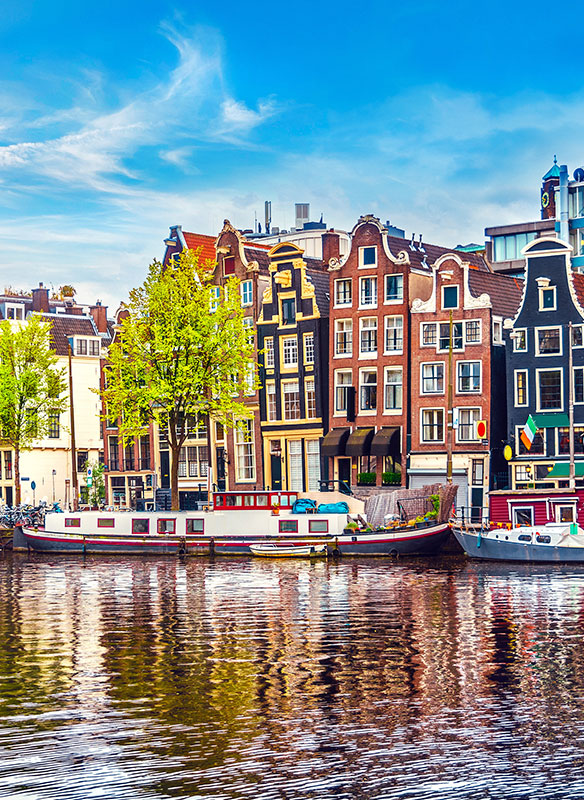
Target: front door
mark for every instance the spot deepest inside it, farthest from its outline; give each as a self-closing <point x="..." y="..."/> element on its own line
<point x="165" y="469"/>
<point x="345" y="471"/>
<point x="220" y="469"/>
<point x="276" y="463"/>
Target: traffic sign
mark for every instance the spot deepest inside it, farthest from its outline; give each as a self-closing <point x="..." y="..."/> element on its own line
<point x="89" y="472"/>
<point x="33" y="485"/>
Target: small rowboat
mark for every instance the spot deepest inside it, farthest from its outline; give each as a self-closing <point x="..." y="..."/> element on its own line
<point x="288" y="550"/>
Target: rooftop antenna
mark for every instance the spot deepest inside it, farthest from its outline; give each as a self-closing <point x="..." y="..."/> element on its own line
<point x="255" y="222"/>
<point x="412" y="243"/>
<point x="268" y="215"/>
<point x="421" y="246"/>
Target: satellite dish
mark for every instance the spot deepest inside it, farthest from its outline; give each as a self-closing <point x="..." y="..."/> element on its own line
<point x="579" y="174"/>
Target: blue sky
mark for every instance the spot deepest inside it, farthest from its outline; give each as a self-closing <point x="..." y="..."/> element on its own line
<point x="120" y="119"/>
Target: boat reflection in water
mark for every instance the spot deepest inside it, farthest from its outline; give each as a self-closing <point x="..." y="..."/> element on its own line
<point x="230" y="679"/>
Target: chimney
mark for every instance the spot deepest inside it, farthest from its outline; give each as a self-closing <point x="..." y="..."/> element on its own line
<point x="99" y="314"/>
<point x="40" y="299"/>
<point x="331" y="245"/>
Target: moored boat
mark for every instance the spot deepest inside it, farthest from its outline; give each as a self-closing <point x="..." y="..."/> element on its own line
<point x="273" y="550"/>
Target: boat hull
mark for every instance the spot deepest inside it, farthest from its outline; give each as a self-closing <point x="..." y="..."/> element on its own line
<point x="487" y="548"/>
<point x="382" y="543"/>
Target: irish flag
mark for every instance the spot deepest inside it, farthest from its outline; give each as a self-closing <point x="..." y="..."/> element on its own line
<point x="528" y="432"/>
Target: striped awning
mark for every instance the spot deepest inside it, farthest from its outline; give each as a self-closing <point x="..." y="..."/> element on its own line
<point x="359" y="442"/>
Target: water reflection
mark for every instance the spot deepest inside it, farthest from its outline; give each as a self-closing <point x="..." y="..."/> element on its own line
<point x="357" y="679"/>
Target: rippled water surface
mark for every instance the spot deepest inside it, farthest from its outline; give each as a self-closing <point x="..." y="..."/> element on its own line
<point x="257" y="679"/>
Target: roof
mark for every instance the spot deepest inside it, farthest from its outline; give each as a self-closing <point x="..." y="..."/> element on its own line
<point x="320" y="281"/>
<point x="424" y="259"/>
<point x="505" y="291"/>
<point x="195" y="241"/>
<point x="63" y="326"/>
<point x="578" y="283"/>
<point x="261" y="256"/>
<point x="553" y="172"/>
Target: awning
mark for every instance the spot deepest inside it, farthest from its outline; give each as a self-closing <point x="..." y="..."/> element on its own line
<point x="551" y="420"/>
<point x="562" y="470"/>
<point x="359" y="442"/>
<point x="334" y="442"/>
<point x="386" y="442"/>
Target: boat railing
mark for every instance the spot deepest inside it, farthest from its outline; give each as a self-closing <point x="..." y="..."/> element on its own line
<point x="471" y="516"/>
<point x="335" y="485"/>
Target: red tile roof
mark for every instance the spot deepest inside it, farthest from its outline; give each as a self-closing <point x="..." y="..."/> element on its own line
<point x="200" y="240"/>
<point x="505" y="292"/>
<point x="578" y="282"/>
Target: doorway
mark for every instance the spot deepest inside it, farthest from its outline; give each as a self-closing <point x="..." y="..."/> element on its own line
<point x="344" y="465"/>
<point x="276" y="463"/>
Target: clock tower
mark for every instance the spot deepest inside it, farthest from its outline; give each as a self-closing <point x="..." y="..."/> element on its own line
<point x="548" y="191"/>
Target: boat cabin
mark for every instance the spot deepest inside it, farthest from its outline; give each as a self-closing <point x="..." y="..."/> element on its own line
<point x="253" y="501"/>
<point x="519" y="508"/>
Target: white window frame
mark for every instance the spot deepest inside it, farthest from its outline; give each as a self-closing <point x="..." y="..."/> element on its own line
<point x="246" y="288"/>
<point x="366" y="354"/>
<point x="469" y="391"/>
<point x="386" y="372"/>
<point x="271" y="402"/>
<point x="245" y="441"/>
<point x="347" y="321"/>
<point x="531" y="510"/>
<point x="362" y="265"/>
<point x="386" y="328"/>
<point x="463" y="409"/>
<point x="515" y="340"/>
<point x="537" y="390"/>
<point x="577" y="402"/>
<point x="362" y="372"/>
<point x="548" y="328"/>
<point x="269" y="352"/>
<point x="373" y="279"/>
<point x="307" y="383"/>
<point x="308" y="346"/>
<point x="515" y="388"/>
<point x="432" y="364"/>
<point x="215" y="298"/>
<point x="581" y="329"/>
<point x="395" y="300"/>
<point x="289" y="340"/>
<point x="541" y="290"/>
<point x="350" y="302"/>
<point x="450" y="286"/>
<point x="468" y="341"/>
<point x="424" y="325"/>
<point x="454" y="349"/>
<point x="16" y="307"/>
<point x="432" y="441"/>
<point x="497" y="326"/>
<point x="340" y="412"/>
<point x="286" y="383"/>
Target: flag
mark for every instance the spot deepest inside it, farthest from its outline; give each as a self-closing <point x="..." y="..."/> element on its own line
<point x="528" y="433"/>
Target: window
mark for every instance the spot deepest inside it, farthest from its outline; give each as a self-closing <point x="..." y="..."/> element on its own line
<point x="519" y="337"/>
<point x="368" y="390"/>
<point x="104" y="522"/>
<point x="288" y="311"/>
<point x="394" y="288"/>
<point x="564" y="440"/>
<point x="312" y="465"/>
<point x="114" y="463"/>
<point x="343" y="337"/>
<point x="565" y="513"/>
<point x="198" y="461"/>
<point x="229" y="265"/>
<point x="271" y="401"/>
<point x="290" y="351"/>
<point x="310" y="398"/>
<point x="472" y="331"/>
<point x="94" y="347"/>
<point x="393" y="388"/>
<point x="368" y="291"/>
<point x="318" y="525"/>
<point x="577" y="242"/>
<point x="269" y="348"/>
<point x="469" y="376"/>
<point x="246" y="289"/>
<point x="291" y="393"/>
<point x="245" y="451"/>
<point x="579" y="384"/>
<point x="523" y="517"/>
<point x="309" y="348"/>
<point x="54" y="431"/>
<point x="547" y="298"/>
<point x="548" y="341"/>
<point x="549" y="389"/>
<point x="249" y="330"/>
<point x="343" y="381"/>
<point x="508" y="248"/>
<point x="215" y="295"/>
<point x="450" y="297"/>
<point x="343" y="293"/>
<point x="537" y="446"/>
<point x="195" y="526"/>
<point x="433" y="378"/>
<point x="577" y="338"/>
<point x="433" y="425"/>
<point x="81" y="347"/>
<point x="444" y="343"/>
<point x="497" y="331"/>
<point x="72" y="522"/>
<point x="14" y="312"/>
<point x="394" y="334"/>
<point x="296" y="467"/>
<point x="367" y="256"/>
<point x="166" y="526"/>
<point x="288" y="525"/>
<point x="521" y="387"/>
<point x="477" y="472"/>
<point x="182" y="463"/>
<point x="368" y="339"/>
<point x="467" y="424"/>
<point x="576" y="202"/>
<point x="429" y="334"/>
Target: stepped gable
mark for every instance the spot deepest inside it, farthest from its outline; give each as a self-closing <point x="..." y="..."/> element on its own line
<point x="432" y="253"/>
<point x="194" y="241"/>
<point x="63" y="326"/>
<point x="505" y="292"/>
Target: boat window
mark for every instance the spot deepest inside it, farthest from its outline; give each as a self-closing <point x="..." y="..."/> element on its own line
<point x="262" y="500"/>
<point x="106" y="523"/>
<point x="195" y="525"/>
<point x="318" y="525"/>
<point x="166" y="525"/>
<point x="524" y="537"/>
<point x="72" y="522"/>
<point x="248" y="500"/>
<point x="523" y="516"/>
<point x="565" y="514"/>
<point x="292" y="499"/>
<point x="544" y="539"/>
<point x="140" y="526"/>
<point x="232" y="500"/>
<point x="288" y="526"/>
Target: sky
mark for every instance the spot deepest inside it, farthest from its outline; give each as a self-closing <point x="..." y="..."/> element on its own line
<point x="120" y="119"/>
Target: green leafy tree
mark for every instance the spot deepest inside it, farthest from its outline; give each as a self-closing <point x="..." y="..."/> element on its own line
<point x="181" y="351"/>
<point x="96" y="492"/>
<point x="31" y="386"/>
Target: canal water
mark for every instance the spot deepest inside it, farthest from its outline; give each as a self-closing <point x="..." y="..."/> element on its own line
<point x="256" y="679"/>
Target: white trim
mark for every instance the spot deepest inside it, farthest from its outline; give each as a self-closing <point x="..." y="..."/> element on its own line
<point x="514" y="340"/>
<point x="515" y="373"/>
<point x="361" y="253"/>
<point x="548" y="328"/>
<point x="432" y="441"/>
<point x="537" y="391"/>
<point x="427" y="364"/>
<point x="469" y="391"/>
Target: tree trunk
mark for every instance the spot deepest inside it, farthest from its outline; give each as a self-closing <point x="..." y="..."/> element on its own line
<point x="17" y="476"/>
<point x="174" y="498"/>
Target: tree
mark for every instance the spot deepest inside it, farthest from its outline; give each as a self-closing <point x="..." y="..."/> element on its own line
<point x="181" y="351"/>
<point x="96" y="492"/>
<point x="31" y="386"/>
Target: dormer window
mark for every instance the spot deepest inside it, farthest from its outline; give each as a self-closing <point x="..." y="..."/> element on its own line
<point x="367" y="256"/>
<point x="547" y="295"/>
<point x="450" y="297"/>
<point x="14" y="311"/>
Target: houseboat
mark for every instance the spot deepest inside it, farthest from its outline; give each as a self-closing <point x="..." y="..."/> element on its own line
<point x="230" y="526"/>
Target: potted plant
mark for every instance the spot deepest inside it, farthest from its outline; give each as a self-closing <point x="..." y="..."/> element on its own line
<point x="275" y="509"/>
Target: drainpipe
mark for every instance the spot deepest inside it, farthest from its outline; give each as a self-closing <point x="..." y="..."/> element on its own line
<point x="564" y="225"/>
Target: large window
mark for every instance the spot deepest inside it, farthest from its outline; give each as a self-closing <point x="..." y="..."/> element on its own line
<point x="198" y="461"/>
<point x="507" y="248"/>
<point x="457" y="341"/>
<point x="312" y="465"/>
<point x="468" y="376"/>
<point x="290" y="351"/>
<point x="521" y="387"/>
<point x="433" y="425"/>
<point x="564" y="440"/>
<point x="244" y="447"/>
<point x="81" y="347"/>
<point x="576" y="202"/>
<point x="288" y="311"/>
<point x="344" y="337"/>
<point x="368" y="292"/>
<point x="343" y="294"/>
<point x="296" y="471"/>
<point x="343" y="381"/>
<point x="467" y="424"/>
<point x="310" y="396"/>
<point x="291" y="394"/>
<point x="368" y="339"/>
<point x="394" y="288"/>
<point x="548" y="341"/>
<point x="549" y="389"/>
<point x="394" y="334"/>
<point x="368" y="390"/>
<point x="433" y="378"/>
<point x="393" y="389"/>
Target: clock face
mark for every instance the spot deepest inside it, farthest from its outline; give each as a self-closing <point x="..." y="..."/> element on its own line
<point x="545" y="200"/>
